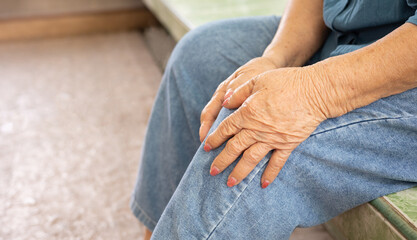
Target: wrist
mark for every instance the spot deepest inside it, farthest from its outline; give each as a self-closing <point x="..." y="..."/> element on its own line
<point x="331" y="95"/>
<point x="279" y="58"/>
<point x="288" y="56"/>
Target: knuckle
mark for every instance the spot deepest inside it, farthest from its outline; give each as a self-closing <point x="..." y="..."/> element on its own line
<point x="216" y="138"/>
<point x="220" y="132"/>
<point x="262" y="136"/>
<point x="233" y="83"/>
<point x="251" y="157"/>
<point x="246" y="108"/>
<point x="221" y="135"/>
<point x="204" y="114"/>
<point x="217" y="94"/>
<point x="236" y="119"/>
<point x="220" y="161"/>
<point x="222" y="85"/>
<point x="239" y="71"/>
<point x="275" y="166"/>
<point x="233" y="147"/>
<point x="243" y="137"/>
<point x="242" y="78"/>
<point x="250" y="108"/>
<point x="227" y="127"/>
<point x="217" y="99"/>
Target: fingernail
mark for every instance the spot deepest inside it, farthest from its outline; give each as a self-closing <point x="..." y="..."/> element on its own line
<point x="214" y="171"/>
<point x="231" y="182"/>
<point x="225" y="102"/>
<point x="207" y="147"/>
<point x="228" y="94"/>
<point x="265" y="184"/>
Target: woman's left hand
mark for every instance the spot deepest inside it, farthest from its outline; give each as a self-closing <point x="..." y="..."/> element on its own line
<point x="277" y="110"/>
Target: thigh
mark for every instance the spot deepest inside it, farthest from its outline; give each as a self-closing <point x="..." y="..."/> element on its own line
<point x="200" y="62"/>
<point x="347" y="161"/>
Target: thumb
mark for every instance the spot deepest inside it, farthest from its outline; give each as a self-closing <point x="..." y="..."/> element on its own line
<point x="240" y="95"/>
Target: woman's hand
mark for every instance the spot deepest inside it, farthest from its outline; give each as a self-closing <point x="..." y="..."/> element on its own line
<point x="243" y="74"/>
<point x="277" y="110"/>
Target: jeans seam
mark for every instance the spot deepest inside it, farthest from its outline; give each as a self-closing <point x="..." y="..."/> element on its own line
<point x="234" y="202"/>
<point x="260" y="167"/>
<point x="144" y="213"/>
<point x="358" y="122"/>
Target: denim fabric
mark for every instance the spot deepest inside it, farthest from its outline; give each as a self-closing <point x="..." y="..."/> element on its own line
<point x="347" y="161"/>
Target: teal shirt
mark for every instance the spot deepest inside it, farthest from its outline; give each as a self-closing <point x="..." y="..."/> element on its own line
<point x="357" y="23"/>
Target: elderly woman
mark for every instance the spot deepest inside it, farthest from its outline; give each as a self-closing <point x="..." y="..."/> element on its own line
<point x="316" y="120"/>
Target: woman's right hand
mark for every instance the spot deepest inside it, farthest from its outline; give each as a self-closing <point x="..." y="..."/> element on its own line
<point x="242" y="75"/>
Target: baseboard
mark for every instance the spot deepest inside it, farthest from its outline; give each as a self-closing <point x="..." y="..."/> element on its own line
<point x="74" y="24"/>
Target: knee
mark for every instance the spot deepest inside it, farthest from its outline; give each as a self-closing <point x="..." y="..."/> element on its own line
<point x="198" y="47"/>
<point x="201" y="59"/>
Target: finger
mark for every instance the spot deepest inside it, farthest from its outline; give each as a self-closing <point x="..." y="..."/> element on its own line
<point x="251" y="157"/>
<point x="235" y="83"/>
<point x="229" y="127"/>
<point x="210" y="111"/>
<point x="276" y="162"/>
<point x="239" y="95"/>
<point x="234" y="147"/>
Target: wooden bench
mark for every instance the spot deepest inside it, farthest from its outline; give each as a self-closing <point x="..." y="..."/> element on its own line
<point x="390" y="217"/>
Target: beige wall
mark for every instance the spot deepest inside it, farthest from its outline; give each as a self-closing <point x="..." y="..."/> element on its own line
<point x="30" y="8"/>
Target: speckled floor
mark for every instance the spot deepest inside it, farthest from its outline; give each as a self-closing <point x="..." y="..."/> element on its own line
<point x="73" y="113"/>
<point x="72" y="118"/>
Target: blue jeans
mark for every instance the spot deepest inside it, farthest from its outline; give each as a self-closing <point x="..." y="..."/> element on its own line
<point x="347" y="161"/>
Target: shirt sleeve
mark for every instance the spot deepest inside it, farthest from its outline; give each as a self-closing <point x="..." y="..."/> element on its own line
<point x="413" y="19"/>
<point x="413" y="4"/>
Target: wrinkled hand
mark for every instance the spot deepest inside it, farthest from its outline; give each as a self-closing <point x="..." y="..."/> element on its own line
<point x="246" y="72"/>
<point x="277" y="110"/>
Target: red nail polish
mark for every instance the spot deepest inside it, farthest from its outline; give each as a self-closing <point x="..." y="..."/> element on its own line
<point x="214" y="171"/>
<point x="231" y="182"/>
<point x="225" y="102"/>
<point x="228" y="94"/>
<point x="265" y="184"/>
<point x="207" y="147"/>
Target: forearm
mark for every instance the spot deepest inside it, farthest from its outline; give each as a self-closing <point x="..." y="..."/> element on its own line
<point x="356" y="79"/>
<point x="300" y="34"/>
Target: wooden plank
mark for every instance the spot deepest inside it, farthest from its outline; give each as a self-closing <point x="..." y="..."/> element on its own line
<point x="362" y="222"/>
<point x="180" y="16"/>
<point x="74" y="24"/>
<point x="30" y="8"/>
<point x="171" y="20"/>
